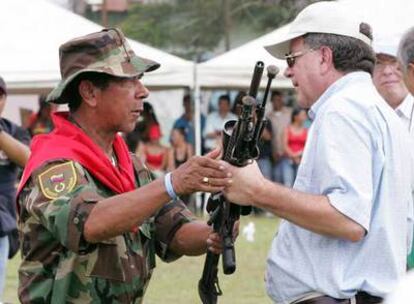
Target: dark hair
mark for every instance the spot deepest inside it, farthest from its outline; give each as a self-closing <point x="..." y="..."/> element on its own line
<point x="295" y="112"/>
<point x="349" y="54"/>
<point x="186" y="98"/>
<point x="238" y="102"/>
<point x="406" y="48"/>
<point x="148" y="113"/>
<point x="99" y="80"/>
<point x="224" y="97"/>
<point x="42" y="102"/>
<point x="181" y="131"/>
<point x="275" y="93"/>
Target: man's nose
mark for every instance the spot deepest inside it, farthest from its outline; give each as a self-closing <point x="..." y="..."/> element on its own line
<point x="288" y="72"/>
<point x="141" y="90"/>
<point x="388" y="69"/>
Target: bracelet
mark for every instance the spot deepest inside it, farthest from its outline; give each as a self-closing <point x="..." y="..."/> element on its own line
<point x="169" y="187"/>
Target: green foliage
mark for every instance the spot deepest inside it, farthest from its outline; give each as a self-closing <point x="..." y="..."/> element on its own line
<point x="196" y="25"/>
<point x="149" y="24"/>
<point x="192" y="27"/>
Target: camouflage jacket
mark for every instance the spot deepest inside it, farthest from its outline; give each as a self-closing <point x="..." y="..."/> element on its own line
<point x="59" y="266"/>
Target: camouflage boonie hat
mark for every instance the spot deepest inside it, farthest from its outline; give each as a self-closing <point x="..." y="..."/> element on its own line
<point x="106" y="52"/>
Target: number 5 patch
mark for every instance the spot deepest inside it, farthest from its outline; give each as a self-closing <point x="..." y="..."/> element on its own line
<point x="58" y="180"/>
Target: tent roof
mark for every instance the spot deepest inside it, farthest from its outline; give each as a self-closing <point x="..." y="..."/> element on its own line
<point x="235" y="67"/>
<point x="32" y="32"/>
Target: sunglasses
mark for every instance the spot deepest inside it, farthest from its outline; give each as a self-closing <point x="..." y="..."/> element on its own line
<point x="291" y="58"/>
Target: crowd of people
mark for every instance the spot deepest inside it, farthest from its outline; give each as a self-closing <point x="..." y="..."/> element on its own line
<point x="281" y="145"/>
<point x="95" y="207"/>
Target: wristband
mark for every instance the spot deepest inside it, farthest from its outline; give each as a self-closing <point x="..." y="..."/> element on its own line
<point x="169" y="187"/>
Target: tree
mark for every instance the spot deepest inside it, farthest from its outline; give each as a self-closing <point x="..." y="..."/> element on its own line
<point x="190" y="28"/>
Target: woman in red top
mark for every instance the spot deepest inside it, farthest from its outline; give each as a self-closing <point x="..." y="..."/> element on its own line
<point x="294" y="139"/>
<point x="153" y="153"/>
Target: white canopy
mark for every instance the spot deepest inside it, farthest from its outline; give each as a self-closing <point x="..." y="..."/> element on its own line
<point x="388" y="18"/>
<point x="33" y="30"/>
<point x="234" y="69"/>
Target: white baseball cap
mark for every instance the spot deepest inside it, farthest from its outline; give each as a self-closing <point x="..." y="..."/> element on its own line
<point x="386" y="49"/>
<point x="320" y="17"/>
<point x="387" y="44"/>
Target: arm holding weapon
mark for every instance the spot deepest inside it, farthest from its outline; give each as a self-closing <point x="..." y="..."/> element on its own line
<point x="240" y="147"/>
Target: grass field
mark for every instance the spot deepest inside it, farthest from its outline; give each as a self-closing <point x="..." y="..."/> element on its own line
<point x="177" y="282"/>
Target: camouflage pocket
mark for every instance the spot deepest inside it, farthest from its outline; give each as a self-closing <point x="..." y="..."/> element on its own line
<point x="105" y="262"/>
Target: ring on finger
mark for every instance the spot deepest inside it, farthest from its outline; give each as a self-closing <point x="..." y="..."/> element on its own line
<point x="206" y="180"/>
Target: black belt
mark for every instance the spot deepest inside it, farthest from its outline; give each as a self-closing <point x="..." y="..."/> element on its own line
<point x="361" y="298"/>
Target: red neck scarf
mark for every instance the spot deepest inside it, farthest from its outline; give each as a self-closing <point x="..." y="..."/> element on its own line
<point x="67" y="141"/>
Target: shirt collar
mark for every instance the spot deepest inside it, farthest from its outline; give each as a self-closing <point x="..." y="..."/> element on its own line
<point x="353" y="77"/>
<point x="406" y="107"/>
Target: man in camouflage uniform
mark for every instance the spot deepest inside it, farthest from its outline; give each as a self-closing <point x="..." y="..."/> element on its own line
<point x="90" y="217"/>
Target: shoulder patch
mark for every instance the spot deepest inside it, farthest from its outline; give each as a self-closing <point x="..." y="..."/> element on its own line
<point x="58" y="180"/>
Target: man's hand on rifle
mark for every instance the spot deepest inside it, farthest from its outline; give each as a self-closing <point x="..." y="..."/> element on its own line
<point x="245" y="185"/>
<point x="201" y="173"/>
<point x="214" y="242"/>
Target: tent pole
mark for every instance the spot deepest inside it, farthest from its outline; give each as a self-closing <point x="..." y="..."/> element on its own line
<point x="197" y="124"/>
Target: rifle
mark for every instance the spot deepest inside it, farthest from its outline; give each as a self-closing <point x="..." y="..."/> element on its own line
<point x="240" y="139"/>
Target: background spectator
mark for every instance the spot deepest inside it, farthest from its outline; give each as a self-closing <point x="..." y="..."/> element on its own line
<point x="237" y="104"/>
<point x="388" y="79"/>
<point x="141" y="130"/>
<point x="186" y="121"/>
<point x="41" y="121"/>
<point x="14" y="153"/>
<point x="406" y="58"/>
<point x="153" y="153"/>
<point x="279" y="117"/>
<point x="215" y="123"/>
<point x="179" y="152"/>
<point x="294" y="140"/>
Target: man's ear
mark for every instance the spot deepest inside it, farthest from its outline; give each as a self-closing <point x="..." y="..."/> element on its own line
<point x="88" y="92"/>
<point x="326" y="59"/>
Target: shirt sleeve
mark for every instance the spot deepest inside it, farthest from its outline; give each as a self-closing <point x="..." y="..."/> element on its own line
<point x="344" y="152"/>
<point x="60" y="198"/>
<point x="167" y="222"/>
<point x="22" y="135"/>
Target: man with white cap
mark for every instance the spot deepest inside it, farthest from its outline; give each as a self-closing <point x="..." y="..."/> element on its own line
<point x="348" y="219"/>
<point x="388" y="79"/>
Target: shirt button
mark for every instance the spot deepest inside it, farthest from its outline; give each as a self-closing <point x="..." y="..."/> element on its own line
<point x="76" y="221"/>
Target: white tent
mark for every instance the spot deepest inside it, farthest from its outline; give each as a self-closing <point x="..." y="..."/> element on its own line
<point x="33" y="30"/>
<point x="234" y="69"/>
<point x="388" y="18"/>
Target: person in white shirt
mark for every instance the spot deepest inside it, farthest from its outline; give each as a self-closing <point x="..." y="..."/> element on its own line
<point x="279" y="117"/>
<point x="215" y="122"/>
<point x="348" y="221"/>
<point x="403" y="293"/>
<point x="388" y="79"/>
